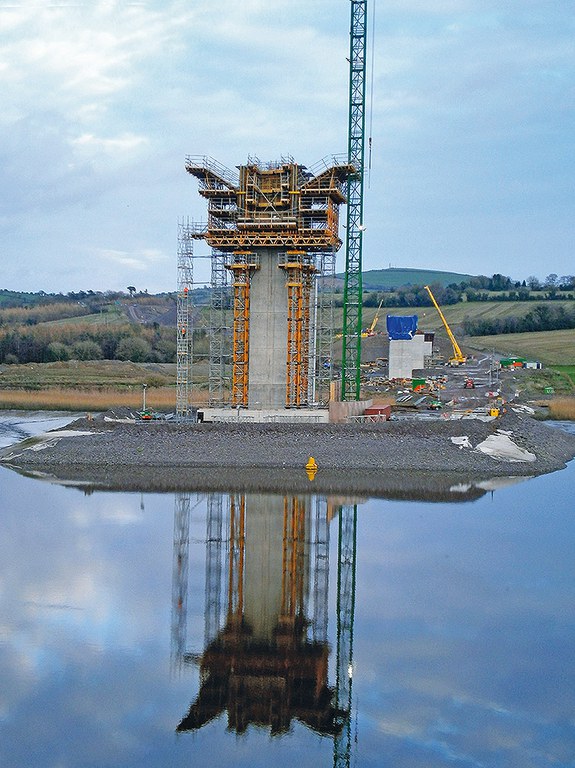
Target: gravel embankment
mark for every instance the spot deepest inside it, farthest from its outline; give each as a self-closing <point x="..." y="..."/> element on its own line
<point x="350" y="457"/>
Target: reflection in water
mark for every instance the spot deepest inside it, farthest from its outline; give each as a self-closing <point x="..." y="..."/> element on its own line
<point x="265" y="657"/>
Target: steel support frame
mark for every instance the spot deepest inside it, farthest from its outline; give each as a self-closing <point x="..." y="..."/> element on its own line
<point x="300" y="271"/>
<point x="353" y="289"/>
<point x="242" y="265"/>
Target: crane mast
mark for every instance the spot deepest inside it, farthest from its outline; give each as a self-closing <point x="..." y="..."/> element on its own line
<point x="353" y="289"/>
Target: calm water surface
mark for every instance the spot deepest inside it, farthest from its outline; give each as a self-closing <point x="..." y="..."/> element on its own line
<point x="182" y="629"/>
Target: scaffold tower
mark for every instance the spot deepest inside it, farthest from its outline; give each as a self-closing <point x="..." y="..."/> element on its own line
<point x="184" y="343"/>
<point x="220" y="333"/>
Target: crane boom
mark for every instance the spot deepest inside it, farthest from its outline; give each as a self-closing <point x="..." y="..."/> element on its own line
<point x="458" y="356"/>
<point x="371" y="331"/>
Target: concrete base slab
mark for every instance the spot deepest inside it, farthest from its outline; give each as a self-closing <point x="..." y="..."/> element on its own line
<point x="265" y="415"/>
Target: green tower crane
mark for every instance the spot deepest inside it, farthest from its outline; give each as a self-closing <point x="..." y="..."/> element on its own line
<point x="352" y="296"/>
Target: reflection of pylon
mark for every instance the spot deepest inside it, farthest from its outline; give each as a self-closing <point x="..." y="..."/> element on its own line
<point x="265" y="659"/>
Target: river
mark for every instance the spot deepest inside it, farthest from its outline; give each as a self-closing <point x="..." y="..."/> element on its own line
<point x="179" y="629"/>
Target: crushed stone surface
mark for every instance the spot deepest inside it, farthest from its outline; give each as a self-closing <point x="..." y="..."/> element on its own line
<point x="428" y="446"/>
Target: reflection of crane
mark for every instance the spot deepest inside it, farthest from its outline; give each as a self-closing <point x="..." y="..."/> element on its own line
<point x="346" y="570"/>
<point x="371" y="330"/>
<point x="458" y="357"/>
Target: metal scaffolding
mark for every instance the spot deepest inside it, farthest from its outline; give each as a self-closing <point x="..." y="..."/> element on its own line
<point x="184" y="344"/>
<point x="236" y="560"/>
<point x="180" y="575"/>
<point x="219" y="333"/>
<point x="275" y="205"/>
<point x="324" y="322"/>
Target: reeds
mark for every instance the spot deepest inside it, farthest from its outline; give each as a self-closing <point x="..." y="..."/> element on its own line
<point x="562" y="408"/>
<point x="90" y="399"/>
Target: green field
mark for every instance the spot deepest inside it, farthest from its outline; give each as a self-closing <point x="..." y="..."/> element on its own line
<point x="556" y="348"/>
<point x="566" y="370"/>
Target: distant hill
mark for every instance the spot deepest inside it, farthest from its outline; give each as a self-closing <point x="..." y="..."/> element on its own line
<point x="384" y="279"/>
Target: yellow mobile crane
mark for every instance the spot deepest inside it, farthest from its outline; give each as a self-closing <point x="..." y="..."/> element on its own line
<point x="371" y="330"/>
<point x="458" y="357"/>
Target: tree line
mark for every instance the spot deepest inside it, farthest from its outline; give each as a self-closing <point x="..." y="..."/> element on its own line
<point x="543" y="317"/>
<point x="83" y="341"/>
<point x="481" y="288"/>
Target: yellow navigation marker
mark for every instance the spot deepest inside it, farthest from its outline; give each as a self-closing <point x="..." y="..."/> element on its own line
<point x="311" y="468"/>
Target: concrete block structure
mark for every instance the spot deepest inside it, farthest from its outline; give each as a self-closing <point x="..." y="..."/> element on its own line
<point x="273" y="230"/>
<point x="405" y="355"/>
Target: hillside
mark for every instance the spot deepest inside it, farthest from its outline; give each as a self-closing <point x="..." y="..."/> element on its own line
<point x="550" y="347"/>
<point x="385" y="279"/>
<point x="455" y="314"/>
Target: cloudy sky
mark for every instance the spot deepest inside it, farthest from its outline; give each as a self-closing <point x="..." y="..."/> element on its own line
<point x="472" y="124"/>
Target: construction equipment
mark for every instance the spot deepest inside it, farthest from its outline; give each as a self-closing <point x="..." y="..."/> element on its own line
<point x="458" y="358"/>
<point x="371" y="330"/>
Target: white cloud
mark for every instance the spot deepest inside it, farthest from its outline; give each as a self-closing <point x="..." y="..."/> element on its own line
<point x="139" y="260"/>
<point x="102" y="101"/>
<point x="124" y="145"/>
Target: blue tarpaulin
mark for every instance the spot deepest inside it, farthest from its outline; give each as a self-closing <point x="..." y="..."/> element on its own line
<point x="401" y="326"/>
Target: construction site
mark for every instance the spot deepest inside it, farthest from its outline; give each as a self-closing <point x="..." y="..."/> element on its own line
<point x="271" y="351"/>
<point x="274" y="229"/>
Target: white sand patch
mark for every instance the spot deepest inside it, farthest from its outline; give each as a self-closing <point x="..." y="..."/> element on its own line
<point x="502" y="448"/>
